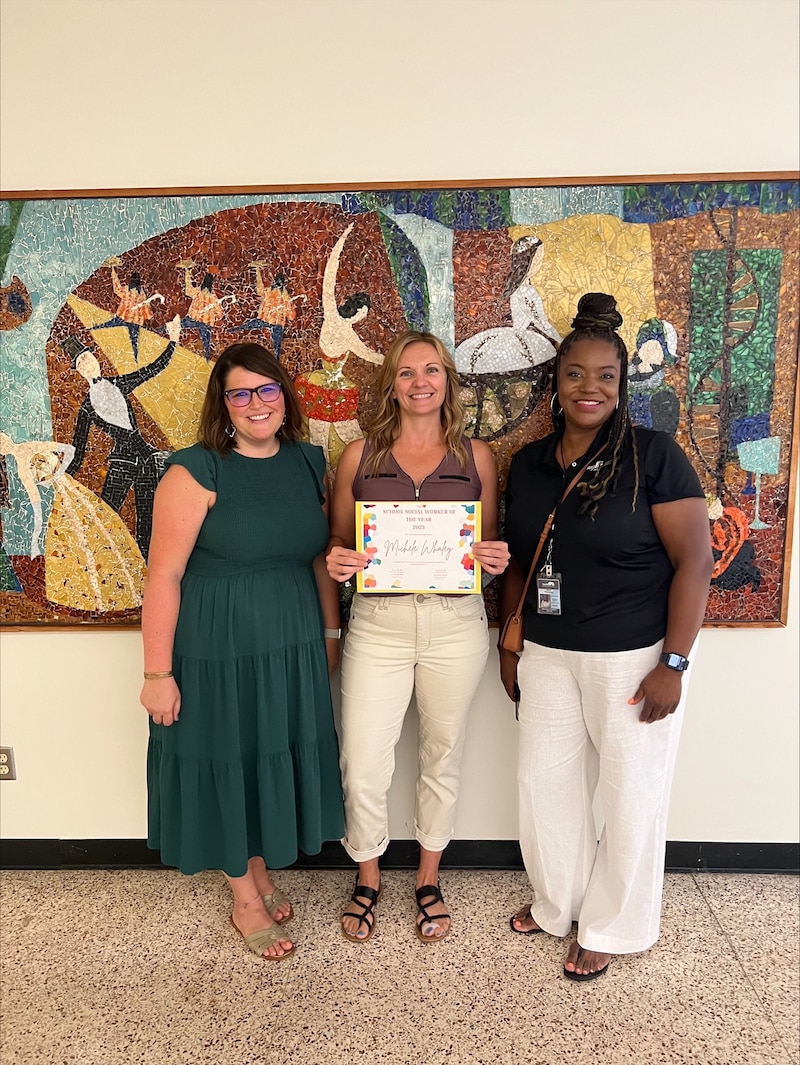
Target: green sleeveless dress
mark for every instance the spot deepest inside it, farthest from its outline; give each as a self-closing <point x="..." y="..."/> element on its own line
<point x="251" y="767"/>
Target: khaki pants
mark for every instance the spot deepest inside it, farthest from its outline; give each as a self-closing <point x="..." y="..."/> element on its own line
<point x="435" y="647"/>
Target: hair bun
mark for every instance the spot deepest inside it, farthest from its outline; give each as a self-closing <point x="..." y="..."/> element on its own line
<point x="597" y="310"/>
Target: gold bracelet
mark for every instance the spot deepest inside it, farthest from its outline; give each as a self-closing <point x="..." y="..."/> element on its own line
<point x="157" y="676"/>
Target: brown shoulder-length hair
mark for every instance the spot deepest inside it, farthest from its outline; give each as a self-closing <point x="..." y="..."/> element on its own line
<point x="385" y="426"/>
<point x="214" y="418"/>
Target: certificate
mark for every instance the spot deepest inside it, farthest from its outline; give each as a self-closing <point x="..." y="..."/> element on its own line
<point x="419" y="547"/>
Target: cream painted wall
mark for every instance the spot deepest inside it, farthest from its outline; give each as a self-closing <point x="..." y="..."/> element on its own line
<point x="153" y="93"/>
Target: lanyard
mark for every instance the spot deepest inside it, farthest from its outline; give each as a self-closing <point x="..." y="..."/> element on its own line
<point x="547" y="528"/>
<point x="547" y="568"/>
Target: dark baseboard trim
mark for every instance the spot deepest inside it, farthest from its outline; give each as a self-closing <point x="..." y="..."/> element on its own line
<point x="733" y="857"/>
<point x="402" y="854"/>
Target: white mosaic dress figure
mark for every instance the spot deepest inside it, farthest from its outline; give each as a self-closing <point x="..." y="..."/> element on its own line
<point x="92" y="563"/>
<point x="531" y="339"/>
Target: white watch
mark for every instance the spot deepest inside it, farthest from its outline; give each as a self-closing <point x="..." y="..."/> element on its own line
<point x="333" y="634"/>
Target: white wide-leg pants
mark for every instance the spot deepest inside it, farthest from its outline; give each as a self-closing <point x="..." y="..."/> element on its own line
<point x="579" y="736"/>
<point x="435" y="646"/>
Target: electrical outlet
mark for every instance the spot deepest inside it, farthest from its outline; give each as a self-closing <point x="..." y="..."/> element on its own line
<point x="8" y="771"/>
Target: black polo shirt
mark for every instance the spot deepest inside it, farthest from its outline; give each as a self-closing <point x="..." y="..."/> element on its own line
<point x="615" y="573"/>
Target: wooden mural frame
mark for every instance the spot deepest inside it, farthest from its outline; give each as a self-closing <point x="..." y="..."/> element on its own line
<point x="704" y="266"/>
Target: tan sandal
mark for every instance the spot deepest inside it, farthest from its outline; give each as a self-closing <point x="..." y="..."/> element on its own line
<point x="274" y="901"/>
<point x="259" y="941"/>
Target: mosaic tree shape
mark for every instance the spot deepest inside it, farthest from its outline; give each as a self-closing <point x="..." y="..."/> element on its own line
<point x="731" y="362"/>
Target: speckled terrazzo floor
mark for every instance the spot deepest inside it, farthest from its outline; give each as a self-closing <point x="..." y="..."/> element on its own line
<point x="122" y="967"/>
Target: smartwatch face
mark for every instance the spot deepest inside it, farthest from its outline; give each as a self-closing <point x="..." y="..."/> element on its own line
<point x="673" y="661"/>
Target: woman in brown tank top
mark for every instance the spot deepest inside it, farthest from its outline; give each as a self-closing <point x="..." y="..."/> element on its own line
<point x="433" y="646"/>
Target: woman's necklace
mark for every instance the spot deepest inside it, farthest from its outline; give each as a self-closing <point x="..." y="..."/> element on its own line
<point x="562" y="457"/>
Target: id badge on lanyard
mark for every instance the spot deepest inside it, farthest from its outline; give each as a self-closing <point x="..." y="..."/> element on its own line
<point x="548" y="584"/>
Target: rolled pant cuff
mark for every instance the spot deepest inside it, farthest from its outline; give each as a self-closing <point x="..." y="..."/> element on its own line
<point x="431" y="843"/>
<point x="367" y="855"/>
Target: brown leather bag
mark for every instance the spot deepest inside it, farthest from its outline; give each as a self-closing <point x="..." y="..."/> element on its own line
<point x="512" y="637"/>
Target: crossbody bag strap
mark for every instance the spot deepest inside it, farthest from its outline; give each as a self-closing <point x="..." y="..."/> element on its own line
<point x="548" y="525"/>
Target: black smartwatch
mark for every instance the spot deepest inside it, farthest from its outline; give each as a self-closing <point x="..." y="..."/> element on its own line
<point x="673" y="661"/>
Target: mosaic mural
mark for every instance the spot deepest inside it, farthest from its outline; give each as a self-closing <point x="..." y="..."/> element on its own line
<point x="112" y="311"/>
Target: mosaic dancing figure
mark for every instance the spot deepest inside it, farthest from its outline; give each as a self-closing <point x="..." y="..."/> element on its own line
<point x="206" y="309"/>
<point x="86" y="541"/>
<point x="27" y="456"/>
<point x="611" y="618"/>
<point x="240" y="626"/>
<point x="134" y="308"/>
<point x="328" y="396"/>
<point x="338" y="339"/>
<point x="531" y="339"/>
<point x="433" y="645"/>
<point x="276" y="310"/>
<point x="133" y="463"/>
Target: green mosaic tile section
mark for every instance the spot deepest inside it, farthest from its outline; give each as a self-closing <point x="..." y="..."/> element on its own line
<point x="10" y="210"/>
<point x="752" y="358"/>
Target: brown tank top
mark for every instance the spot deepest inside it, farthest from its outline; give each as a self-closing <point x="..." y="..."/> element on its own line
<point x="447" y="483"/>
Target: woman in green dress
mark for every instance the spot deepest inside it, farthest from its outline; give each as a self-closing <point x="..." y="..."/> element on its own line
<point x="240" y="625"/>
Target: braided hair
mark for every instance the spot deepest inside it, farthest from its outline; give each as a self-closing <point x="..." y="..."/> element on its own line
<point x="599" y="319"/>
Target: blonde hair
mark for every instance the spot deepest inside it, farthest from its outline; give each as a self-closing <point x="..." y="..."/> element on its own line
<point x="385" y="426"/>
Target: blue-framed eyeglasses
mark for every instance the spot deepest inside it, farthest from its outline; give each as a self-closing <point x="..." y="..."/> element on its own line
<point x="241" y="397"/>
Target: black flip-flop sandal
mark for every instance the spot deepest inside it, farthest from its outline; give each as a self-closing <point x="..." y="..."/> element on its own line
<point x="523" y="916"/>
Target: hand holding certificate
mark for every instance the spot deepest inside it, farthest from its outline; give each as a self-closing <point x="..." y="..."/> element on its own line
<point x="419" y="547"/>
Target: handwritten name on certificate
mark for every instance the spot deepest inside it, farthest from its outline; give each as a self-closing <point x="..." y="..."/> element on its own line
<point x="419" y="547"/>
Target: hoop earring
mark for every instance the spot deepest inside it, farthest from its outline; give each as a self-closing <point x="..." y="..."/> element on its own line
<point x="553" y="401"/>
<point x="231" y="431"/>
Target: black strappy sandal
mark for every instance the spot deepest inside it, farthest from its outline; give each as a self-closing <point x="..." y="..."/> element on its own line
<point x="432" y="894"/>
<point x="367" y="916"/>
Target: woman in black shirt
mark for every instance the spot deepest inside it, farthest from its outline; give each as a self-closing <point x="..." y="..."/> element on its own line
<point x="610" y="620"/>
